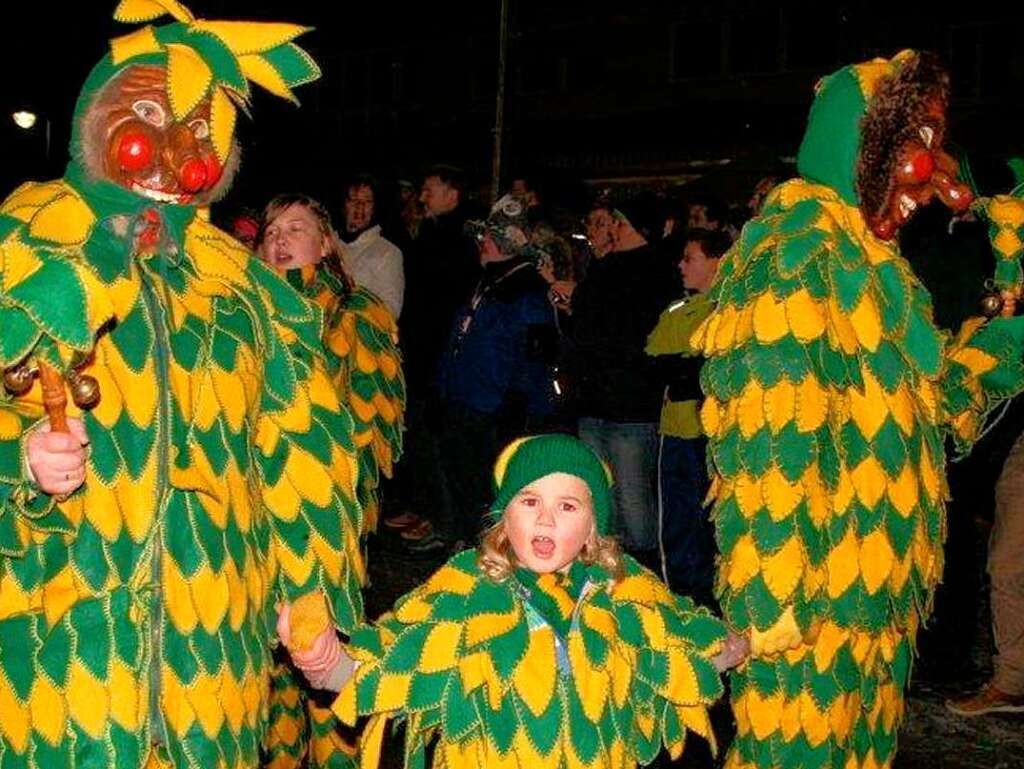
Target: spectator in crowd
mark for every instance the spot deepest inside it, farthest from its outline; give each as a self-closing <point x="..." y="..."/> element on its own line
<point x="686" y="535"/>
<point x="1004" y="691"/>
<point x="706" y="212"/>
<point x="495" y="374"/>
<point x="440" y="272"/>
<point x="614" y="308"/>
<point x="372" y="260"/>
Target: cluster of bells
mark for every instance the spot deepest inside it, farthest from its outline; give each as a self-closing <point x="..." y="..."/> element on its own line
<point x="85" y="390"/>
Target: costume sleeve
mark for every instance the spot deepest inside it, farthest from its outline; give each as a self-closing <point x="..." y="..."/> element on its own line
<point x="672" y="683"/>
<point x="372" y="386"/>
<point x="984" y="362"/>
<point x="50" y="308"/>
<point x="307" y="460"/>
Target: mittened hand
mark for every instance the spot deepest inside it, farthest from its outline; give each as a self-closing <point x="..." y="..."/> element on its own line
<point x="735" y="650"/>
<point x="324" y="663"/>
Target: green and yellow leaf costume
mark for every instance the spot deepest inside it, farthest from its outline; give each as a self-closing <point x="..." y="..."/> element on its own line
<point x="536" y="671"/>
<point x="361" y="341"/>
<point x="829" y="396"/>
<point x="139" y="612"/>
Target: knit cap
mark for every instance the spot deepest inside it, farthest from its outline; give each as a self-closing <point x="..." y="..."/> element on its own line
<point x="527" y="459"/>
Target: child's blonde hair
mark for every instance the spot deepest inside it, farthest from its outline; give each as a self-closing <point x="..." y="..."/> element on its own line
<point x="497" y="559"/>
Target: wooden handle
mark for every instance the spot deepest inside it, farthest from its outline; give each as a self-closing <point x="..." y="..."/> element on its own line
<point x="55" y="400"/>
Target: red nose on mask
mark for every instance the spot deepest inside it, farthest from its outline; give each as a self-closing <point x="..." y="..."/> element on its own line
<point x="192" y="175"/>
<point x="213" y="170"/>
<point x="135" y="151"/>
<point x="916" y="169"/>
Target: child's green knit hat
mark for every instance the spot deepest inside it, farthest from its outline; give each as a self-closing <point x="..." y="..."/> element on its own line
<point x="527" y="459"/>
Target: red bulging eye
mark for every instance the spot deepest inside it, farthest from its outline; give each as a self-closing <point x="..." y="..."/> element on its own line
<point x="135" y="151"/>
<point x="192" y="175"/>
<point x="213" y="170"/>
<point x="919" y="167"/>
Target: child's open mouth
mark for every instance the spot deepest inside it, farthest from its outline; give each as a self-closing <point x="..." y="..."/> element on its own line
<point x="543" y="547"/>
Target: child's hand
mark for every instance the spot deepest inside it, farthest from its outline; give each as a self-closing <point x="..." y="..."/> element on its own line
<point x="325" y="664"/>
<point x="734" y="651"/>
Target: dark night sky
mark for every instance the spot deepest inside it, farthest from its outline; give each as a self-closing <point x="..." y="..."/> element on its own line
<point x="51" y="47"/>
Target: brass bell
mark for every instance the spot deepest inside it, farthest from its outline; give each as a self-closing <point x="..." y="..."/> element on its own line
<point x="18" y="379"/>
<point x="85" y="390"/>
<point x="991" y="305"/>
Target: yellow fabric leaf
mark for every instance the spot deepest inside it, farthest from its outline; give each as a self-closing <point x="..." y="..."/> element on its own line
<point x="309" y="476"/>
<point x="135" y="11"/>
<point x="477" y="670"/>
<point x="876" y="560"/>
<point x="869" y="482"/>
<point x="46" y="706"/>
<point x="188" y="79"/>
<point x="868" y="409"/>
<point x="88" y="702"/>
<point x="901" y="407"/>
<point x="815" y="723"/>
<point x="710" y="412"/>
<point x="23" y="203"/>
<point x="976" y="360"/>
<point x="805" y="316"/>
<point x="67" y="220"/>
<point x="138" y="43"/>
<point x="448" y="579"/>
<point x="484" y="627"/>
<point x="15" y="725"/>
<point x="811" y="404"/>
<point x="817" y="496"/>
<point x="260" y="71"/>
<point x="591" y="683"/>
<point x="210" y="597"/>
<point x="392" y="691"/>
<point x="751" y="409"/>
<point x="297" y="567"/>
<point x="789" y="721"/>
<point x="843" y="494"/>
<point x="204" y="697"/>
<point x="930" y="480"/>
<point x="231" y="700"/>
<point x="18" y="262"/>
<point x="245" y="37"/>
<point x="779" y="405"/>
<point x="1006" y="210"/>
<point x="178" y="599"/>
<point x="439" y="650"/>
<point x="779" y="494"/>
<point x="900" y="573"/>
<point x="741" y="563"/>
<point x="725" y="335"/>
<point x="1007" y="243"/>
<point x="535" y="676"/>
<point x="770" y="323"/>
<point x="682" y="687"/>
<point x="840" y="330"/>
<point x="222" y="123"/>
<point x="903" y="491"/>
<point x="842" y="564"/>
<point x="783" y="569"/>
<point x="867" y="323"/>
<point x="765" y="713"/>
<point x="830" y="638"/>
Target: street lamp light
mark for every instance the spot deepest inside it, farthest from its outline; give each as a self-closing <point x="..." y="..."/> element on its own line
<point x="24" y="119"/>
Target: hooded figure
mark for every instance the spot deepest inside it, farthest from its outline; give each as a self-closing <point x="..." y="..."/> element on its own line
<point x="829" y="396"/>
<point x="136" y="601"/>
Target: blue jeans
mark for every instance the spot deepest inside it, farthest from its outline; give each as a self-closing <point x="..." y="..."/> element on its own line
<point x="686" y="532"/>
<point x="631" y="450"/>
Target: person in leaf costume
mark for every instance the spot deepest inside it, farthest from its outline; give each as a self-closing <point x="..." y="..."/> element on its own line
<point x="138" y="573"/>
<point x="360" y="343"/>
<point x="829" y="395"/>
<point x="546" y="647"/>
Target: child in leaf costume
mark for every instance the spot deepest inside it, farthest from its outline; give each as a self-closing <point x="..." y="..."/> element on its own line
<point x="829" y="395"/>
<point x="138" y="574"/>
<point x="545" y="648"/>
<point x="360" y="343"/>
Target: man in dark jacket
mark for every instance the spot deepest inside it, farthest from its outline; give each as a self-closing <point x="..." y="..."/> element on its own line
<point x="619" y="398"/>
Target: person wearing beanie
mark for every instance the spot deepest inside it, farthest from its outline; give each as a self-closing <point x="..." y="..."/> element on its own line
<point x="495" y="377"/>
<point x="545" y="647"/>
